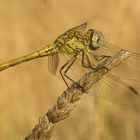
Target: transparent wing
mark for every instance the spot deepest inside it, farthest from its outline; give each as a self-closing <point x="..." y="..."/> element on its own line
<point x="129" y="70"/>
<point x="115" y="91"/>
<point x="115" y="88"/>
<point x="53" y="62"/>
<point x="81" y="28"/>
<point x="110" y="87"/>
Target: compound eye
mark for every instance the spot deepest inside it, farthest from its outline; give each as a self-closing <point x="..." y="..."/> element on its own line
<point x="97" y="39"/>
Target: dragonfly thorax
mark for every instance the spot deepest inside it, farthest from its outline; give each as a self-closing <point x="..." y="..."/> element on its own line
<point x="74" y="46"/>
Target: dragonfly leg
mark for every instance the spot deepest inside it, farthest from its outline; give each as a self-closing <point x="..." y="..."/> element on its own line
<point x="67" y="66"/>
<point x="87" y="63"/>
<point x="101" y="57"/>
<point x="84" y="64"/>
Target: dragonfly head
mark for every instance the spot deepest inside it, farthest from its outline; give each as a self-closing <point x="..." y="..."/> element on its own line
<point x="96" y="39"/>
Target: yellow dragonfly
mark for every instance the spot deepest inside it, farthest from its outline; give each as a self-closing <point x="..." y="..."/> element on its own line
<point x="72" y="42"/>
<point x="90" y="47"/>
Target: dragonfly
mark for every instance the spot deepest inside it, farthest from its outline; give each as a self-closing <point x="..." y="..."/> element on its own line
<point x="88" y="47"/>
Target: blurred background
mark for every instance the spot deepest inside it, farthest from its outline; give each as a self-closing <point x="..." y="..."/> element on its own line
<point x="28" y="90"/>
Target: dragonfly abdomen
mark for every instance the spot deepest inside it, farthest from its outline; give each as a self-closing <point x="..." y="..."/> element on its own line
<point x="48" y="50"/>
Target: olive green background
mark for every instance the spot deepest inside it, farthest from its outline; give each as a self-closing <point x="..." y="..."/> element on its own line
<point x="27" y="91"/>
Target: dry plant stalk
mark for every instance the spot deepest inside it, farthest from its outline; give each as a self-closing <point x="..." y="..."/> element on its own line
<point x="65" y="103"/>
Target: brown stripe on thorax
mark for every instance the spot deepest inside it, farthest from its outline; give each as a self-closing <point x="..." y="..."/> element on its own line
<point x="62" y="40"/>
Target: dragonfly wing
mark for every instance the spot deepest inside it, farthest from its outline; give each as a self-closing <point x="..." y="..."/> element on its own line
<point x="109" y="87"/>
<point x="129" y="69"/>
<point x="81" y="28"/>
<point x="116" y="92"/>
<point x="53" y="62"/>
